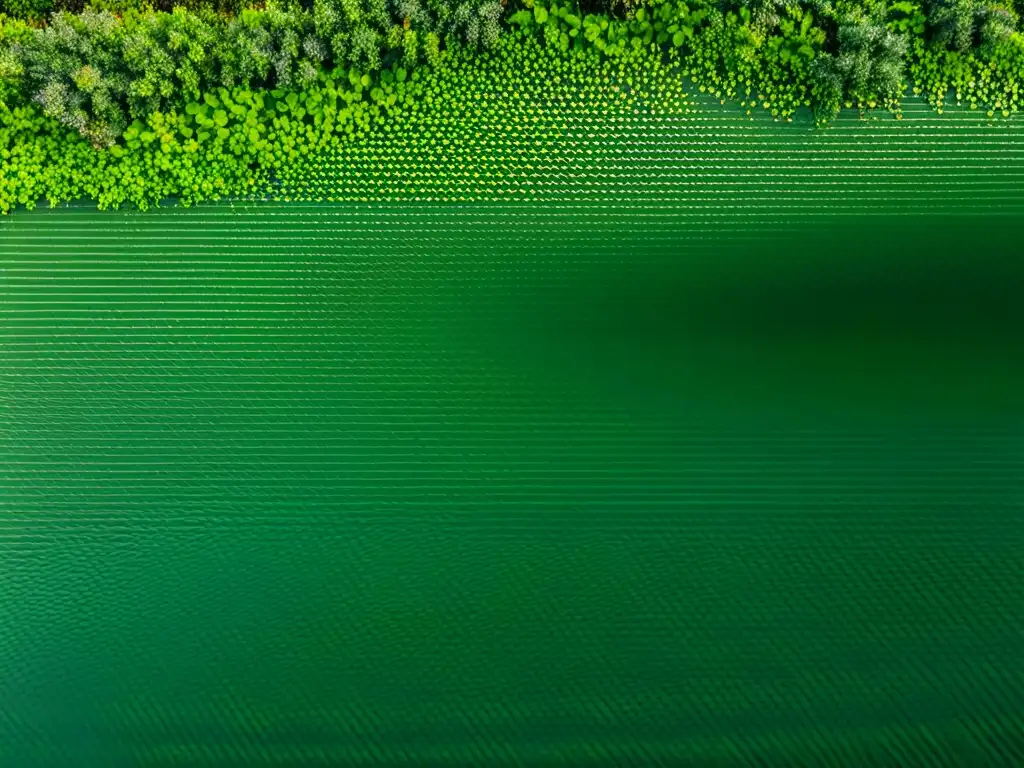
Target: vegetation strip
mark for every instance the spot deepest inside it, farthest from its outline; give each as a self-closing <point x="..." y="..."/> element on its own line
<point x="121" y="104"/>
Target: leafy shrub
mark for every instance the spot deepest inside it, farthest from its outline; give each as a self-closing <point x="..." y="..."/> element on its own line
<point x="271" y="46"/>
<point x="961" y="25"/>
<point x="26" y="9"/>
<point x="866" y="70"/>
<point x="766" y="15"/>
<point x="120" y="7"/>
<point x="94" y="72"/>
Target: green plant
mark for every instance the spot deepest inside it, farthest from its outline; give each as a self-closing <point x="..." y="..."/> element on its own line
<point x="907" y="18"/>
<point x="866" y="71"/>
<point x="961" y="25"/>
<point x="26" y="9"/>
<point x="800" y="41"/>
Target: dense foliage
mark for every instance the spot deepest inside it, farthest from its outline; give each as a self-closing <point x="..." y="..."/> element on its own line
<point x="127" y="104"/>
<point x="96" y="71"/>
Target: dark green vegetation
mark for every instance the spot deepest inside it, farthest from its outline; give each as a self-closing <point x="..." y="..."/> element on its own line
<point x="125" y="104"/>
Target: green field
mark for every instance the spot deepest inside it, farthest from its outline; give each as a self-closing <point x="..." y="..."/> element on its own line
<point x="691" y="440"/>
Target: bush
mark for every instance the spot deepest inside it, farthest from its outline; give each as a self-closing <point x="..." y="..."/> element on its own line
<point x="961" y="25"/>
<point x="866" y="70"/>
<point x="26" y="9"/>
<point x="29" y="9"/>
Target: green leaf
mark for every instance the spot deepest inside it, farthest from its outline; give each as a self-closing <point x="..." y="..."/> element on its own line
<point x="223" y="133"/>
<point x="220" y="117"/>
<point x="365" y="80"/>
<point x="540" y="14"/>
<point x="210" y="99"/>
<point x="677" y="39"/>
<point x="640" y="14"/>
<point x="192" y="108"/>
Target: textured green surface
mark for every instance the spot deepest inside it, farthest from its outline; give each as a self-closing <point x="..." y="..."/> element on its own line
<point x="720" y="463"/>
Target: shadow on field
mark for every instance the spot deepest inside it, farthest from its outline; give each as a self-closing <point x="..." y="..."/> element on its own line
<point x="851" y="318"/>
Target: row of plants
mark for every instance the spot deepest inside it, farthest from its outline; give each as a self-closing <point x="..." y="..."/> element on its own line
<point x="523" y="121"/>
<point x="139" y="105"/>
